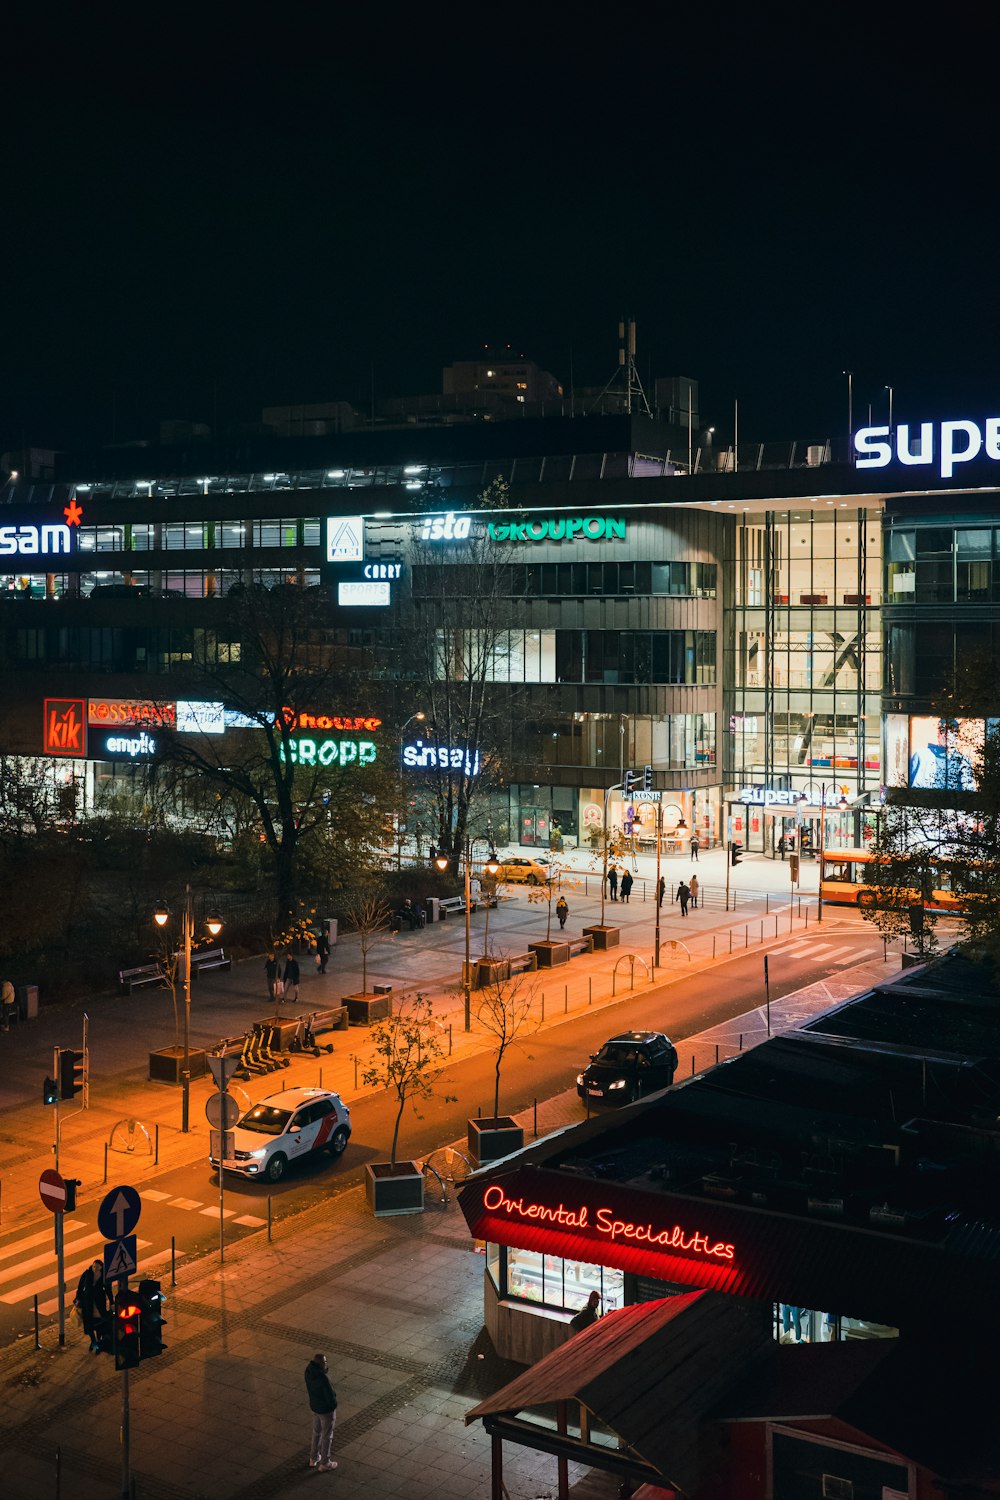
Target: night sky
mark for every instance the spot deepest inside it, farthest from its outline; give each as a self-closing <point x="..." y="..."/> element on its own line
<point x="211" y="214"/>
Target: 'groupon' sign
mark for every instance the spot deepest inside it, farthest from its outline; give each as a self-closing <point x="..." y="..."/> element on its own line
<point x="559" y="529"/>
<point x="305" y="751"/>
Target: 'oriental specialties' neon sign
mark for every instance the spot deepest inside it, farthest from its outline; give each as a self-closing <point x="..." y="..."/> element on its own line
<point x="607" y="1224"/>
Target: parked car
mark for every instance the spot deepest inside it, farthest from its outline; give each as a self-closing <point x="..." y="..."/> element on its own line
<point x="628" y="1067"/>
<point x="285" y="1127"/>
<point x="516" y="870"/>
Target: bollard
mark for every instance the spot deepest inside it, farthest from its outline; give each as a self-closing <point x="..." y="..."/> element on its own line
<point x="269" y="1220"/>
<point x="355" y="1071"/>
<point x="590" y="989"/>
<point x="173" y="1260"/>
<point x="762" y="932"/>
<point x="565" y="999"/>
<point x="156" y="1159"/>
<point x="746" y="937"/>
<point x="543" y="1005"/>
<point x="38" y="1342"/>
<point x="692" y="1064"/>
<point x="713" y="944"/>
<point x="614" y="976"/>
<point x="741" y="1041"/>
<point x="767" y="904"/>
<point x="885" y="952"/>
<point x="776" y="924"/>
<point x="535" y="1125"/>
<point x="716" y="1054"/>
<point x="321" y="1076"/>
<point x="105" y="1163"/>
<point x="730" y="940"/>
<point x="59" y="1470"/>
<point x="807" y="916"/>
<point x="450" y="1038"/>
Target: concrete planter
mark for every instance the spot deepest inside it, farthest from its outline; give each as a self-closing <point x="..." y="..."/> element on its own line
<point x="549" y="954"/>
<point x="395" y="1189"/>
<point x="491" y="1139"/>
<point x="604" y="937"/>
<point x="166" y="1064"/>
<point x="363" y="1009"/>
<point x="489" y="970"/>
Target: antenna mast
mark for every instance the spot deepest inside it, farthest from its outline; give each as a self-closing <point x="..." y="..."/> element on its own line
<point x="627" y="374"/>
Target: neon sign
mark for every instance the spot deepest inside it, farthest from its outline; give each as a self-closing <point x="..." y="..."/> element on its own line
<point x="327" y="721"/>
<point x="559" y="529"/>
<point x="345" y="539"/>
<point x="32" y="541"/>
<point x="444" y="756"/>
<point x="309" y="752"/>
<point x="957" y="443"/>
<point x="65" y="727"/>
<point x="133" y="711"/>
<point x="449" y="528"/>
<point x="607" y="1224"/>
<point x="364" y="594"/>
<point x="132" y="747"/>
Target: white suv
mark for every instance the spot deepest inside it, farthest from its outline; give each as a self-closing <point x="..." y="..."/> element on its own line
<point x="285" y="1127"/>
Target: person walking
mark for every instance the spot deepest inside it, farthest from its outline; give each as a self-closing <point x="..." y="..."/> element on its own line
<point x="291" y="977"/>
<point x="661" y="890"/>
<point x="693" y="888"/>
<point x="627" y="884"/>
<point x="8" y="1003"/>
<point x="322" y="951"/>
<point x="684" y="896"/>
<point x="91" y="1302"/>
<point x="613" y="882"/>
<point x="271" y="970"/>
<point x="323" y="1405"/>
<point x="562" y="910"/>
<point x="695" y="846"/>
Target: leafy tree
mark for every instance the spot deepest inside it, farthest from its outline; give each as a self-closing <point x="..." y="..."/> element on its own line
<point x="548" y="894"/>
<point x="505" y="1011"/>
<point x="408" y="1057"/>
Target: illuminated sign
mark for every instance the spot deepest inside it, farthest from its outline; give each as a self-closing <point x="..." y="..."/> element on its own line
<point x="392" y="571"/>
<point x="955" y="443"/>
<point x="363" y="594"/>
<point x="559" y="529"/>
<point x="327" y="721"/>
<point x="29" y="538"/>
<point x="764" y="796"/>
<point x="201" y="718"/>
<point x="137" y="712"/>
<point x="310" y="752"/>
<point x="65" y="727"/>
<point x="449" y="528"/>
<point x="345" y="539"/>
<point x="445" y="756"/>
<point x="608" y="1224"/>
<point x="128" y="746"/>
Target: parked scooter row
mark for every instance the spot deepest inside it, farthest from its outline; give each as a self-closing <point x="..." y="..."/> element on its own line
<point x="260" y="1048"/>
<point x="304" y="1039"/>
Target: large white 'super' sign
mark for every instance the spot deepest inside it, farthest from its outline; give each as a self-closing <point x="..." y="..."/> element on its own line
<point x="951" y="443"/>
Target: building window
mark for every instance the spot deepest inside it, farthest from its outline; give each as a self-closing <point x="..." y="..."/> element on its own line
<point x="562" y="1284"/>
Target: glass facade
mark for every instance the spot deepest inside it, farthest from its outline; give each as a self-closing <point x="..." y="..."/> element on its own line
<point x="549" y="1281"/>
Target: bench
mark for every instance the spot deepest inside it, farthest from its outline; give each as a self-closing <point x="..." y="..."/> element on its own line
<point x="580" y="945"/>
<point x="211" y="958"/>
<point x="336" y="1019"/>
<point x="454" y="904"/>
<point x="135" y="978"/>
<point x="523" y="963"/>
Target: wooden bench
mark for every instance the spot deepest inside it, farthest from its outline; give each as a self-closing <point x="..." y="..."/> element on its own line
<point x="449" y="904"/>
<point x="135" y="978"/>
<point x="211" y="958"/>
<point x="336" y="1019"/>
<point x="580" y="945"/>
<point x="523" y="963"/>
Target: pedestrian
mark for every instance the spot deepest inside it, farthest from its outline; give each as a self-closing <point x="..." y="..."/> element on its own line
<point x="613" y="883"/>
<point x="323" y="1405"/>
<point x="271" y="970"/>
<point x="291" y="977"/>
<point x="781" y="846"/>
<point x="322" y="951"/>
<point x="91" y="1302"/>
<point x="562" y="910"/>
<point x="627" y="885"/>
<point x="695" y="846"/>
<point x="8" y="1001"/>
<point x="661" y="890"/>
<point x="683" y="896"/>
<point x="587" y="1314"/>
<point x="432" y="853"/>
<point x="693" y="888"/>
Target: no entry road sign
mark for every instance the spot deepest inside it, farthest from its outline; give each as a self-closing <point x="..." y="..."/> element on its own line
<point x="52" y="1190"/>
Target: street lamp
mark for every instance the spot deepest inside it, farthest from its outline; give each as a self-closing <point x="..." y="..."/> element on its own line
<point x="161" y="916"/>
<point x="889" y="389"/>
<point x="491" y="867"/>
<point x="418" y="718"/>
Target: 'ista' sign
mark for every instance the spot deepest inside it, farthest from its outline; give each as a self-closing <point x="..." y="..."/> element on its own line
<point x="929" y="445"/>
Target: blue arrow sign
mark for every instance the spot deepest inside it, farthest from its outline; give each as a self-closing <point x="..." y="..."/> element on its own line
<point x="119" y="1213"/>
<point x="120" y="1258"/>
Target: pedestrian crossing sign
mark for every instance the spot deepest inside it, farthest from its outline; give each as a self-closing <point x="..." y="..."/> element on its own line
<point x="120" y="1258"/>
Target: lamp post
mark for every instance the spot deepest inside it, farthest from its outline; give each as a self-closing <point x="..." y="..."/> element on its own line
<point x="492" y="866"/>
<point x="889" y="389"/>
<point x="659" y="836"/>
<point x="419" y="718"/>
<point x="213" y="922"/>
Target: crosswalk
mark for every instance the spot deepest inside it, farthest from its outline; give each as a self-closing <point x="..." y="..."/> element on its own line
<point x="826" y="953"/>
<point x="28" y="1266"/>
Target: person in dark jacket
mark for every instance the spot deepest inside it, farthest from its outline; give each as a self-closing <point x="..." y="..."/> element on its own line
<point x="684" y="896"/>
<point x="661" y="890"/>
<point x="323" y="1405"/>
<point x="627" y="884"/>
<point x="91" y="1301"/>
<point x="562" y="910"/>
<point x="291" y="977"/>
<point x="613" y="883"/>
<point x="271" y="970"/>
<point x="322" y="951"/>
<point x="588" y="1314"/>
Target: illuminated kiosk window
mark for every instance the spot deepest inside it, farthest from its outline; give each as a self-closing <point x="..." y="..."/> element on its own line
<point x="564" y="1284"/>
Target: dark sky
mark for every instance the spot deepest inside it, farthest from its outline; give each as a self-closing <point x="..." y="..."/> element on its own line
<point x="208" y="214"/>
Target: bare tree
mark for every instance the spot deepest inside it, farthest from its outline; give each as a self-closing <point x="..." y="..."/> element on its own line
<point x="407" y="1059"/>
<point x="505" y="1011"/>
<point x="369" y="915"/>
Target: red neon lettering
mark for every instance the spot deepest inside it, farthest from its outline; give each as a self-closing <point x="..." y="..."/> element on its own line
<point x="305" y="720"/>
<point x="605" y="1223"/>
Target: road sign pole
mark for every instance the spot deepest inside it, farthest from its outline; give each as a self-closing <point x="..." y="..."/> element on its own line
<point x="60" y="1272"/>
<point x="55" y="1075"/>
<point x="126" y="1437"/>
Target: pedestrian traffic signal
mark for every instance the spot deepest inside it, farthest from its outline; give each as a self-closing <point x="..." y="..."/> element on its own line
<point x="72" y="1183"/>
<point x="151" y="1319"/>
<point x="50" y="1091"/>
<point x="630" y="779"/>
<point x="735" y="852"/>
<point x="70" y="1073"/>
<point x="647" y="778"/>
<point x="127" y="1314"/>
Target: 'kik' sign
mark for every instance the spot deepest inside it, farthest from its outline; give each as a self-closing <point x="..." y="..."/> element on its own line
<point x="65" y="727"/>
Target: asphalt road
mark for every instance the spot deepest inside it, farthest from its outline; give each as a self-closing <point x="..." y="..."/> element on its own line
<point x="183" y="1204"/>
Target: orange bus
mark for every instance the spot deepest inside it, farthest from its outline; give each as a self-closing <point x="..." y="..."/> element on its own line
<point x="843" y="880"/>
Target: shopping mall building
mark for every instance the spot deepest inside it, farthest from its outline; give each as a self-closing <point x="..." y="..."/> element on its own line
<point x="767" y="636"/>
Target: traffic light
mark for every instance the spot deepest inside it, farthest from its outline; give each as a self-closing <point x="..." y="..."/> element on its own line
<point x="151" y="1319"/>
<point x="50" y="1091"/>
<point x="647" y="778"/>
<point x="72" y="1183"/>
<point x="630" y="779"/>
<point x="70" y="1073"/>
<point x="127" y="1314"/>
<point x="735" y="852"/>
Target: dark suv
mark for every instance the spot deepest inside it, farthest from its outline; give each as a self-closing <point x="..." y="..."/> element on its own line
<point x="629" y="1066"/>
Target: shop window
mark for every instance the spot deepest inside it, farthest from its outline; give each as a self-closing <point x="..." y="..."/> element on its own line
<point x="493" y="1263"/>
<point x="562" y="1284"/>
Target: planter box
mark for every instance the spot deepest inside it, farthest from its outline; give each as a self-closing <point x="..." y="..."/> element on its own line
<point x="491" y="1139"/>
<point x="549" y="954"/>
<point x="489" y="970"/>
<point x="166" y="1064"/>
<point x="363" y="1009"/>
<point x="604" y="937"/>
<point x="395" y="1189"/>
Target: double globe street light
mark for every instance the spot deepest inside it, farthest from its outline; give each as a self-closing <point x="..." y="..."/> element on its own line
<point x="491" y="867"/>
<point x="161" y="916"/>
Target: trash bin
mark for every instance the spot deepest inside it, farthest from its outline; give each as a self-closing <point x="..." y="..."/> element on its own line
<point x="382" y="989"/>
<point x="27" y="1002"/>
<point x="433" y="909"/>
<point x="331" y="931"/>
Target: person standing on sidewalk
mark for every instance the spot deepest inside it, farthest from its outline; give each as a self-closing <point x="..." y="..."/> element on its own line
<point x="91" y="1302"/>
<point x="323" y="1405"/>
<point x="271" y="970"/>
<point x="693" y="888"/>
<point x="627" y="885"/>
<point x="8" y="1002"/>
<point x="684" y="896"/>
<point x="322" y="951"/>
<point x="291" y="977"/>
<point x="661" y="890"/>
<point x="695" y="846"/>
<point x="613" y="882"/>
<point x="562" y="910"/>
